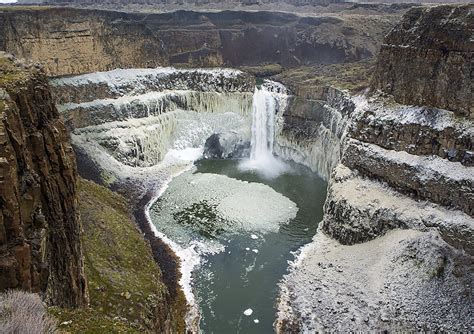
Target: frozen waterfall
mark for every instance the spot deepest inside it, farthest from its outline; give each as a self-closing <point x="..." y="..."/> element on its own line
<point x="266" y="104"/>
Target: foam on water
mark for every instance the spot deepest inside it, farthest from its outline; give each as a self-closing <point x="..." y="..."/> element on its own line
<point x="205" y="206"/>
<point x="228" y="206"/>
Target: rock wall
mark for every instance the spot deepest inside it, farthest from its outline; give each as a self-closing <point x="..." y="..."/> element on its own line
<point x="311" y="129"/>
<point x="191" y="2"/>
<point x="230" y="38"/>
<point x="395" y="244"/>
<point x="427" y="59"/>
<point x="40" y="235"/>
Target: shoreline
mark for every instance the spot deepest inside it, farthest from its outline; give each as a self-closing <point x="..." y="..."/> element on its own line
<point x="168" y="250"/>
<point x="164" y="253"/>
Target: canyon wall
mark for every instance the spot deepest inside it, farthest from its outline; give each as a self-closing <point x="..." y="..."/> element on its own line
<point x="110" y="40"/>
<point x="427" y="59"/>
<point x="394" y="250"/>
<point x="311" y="129"/>
<point x="191" y="2"/>
<point x="40" y="233"/>
<point x="45" y="211"/>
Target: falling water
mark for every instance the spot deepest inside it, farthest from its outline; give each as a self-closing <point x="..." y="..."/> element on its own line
<point x="262" y="160"/>
<point x="262" y="124"/>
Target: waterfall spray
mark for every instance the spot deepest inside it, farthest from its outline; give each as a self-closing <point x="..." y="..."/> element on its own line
<point x="262" y="160"/>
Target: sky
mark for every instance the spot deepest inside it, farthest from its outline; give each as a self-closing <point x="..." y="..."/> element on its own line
<point x="7" y="1"/>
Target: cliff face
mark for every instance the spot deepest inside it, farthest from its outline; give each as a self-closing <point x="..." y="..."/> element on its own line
<point x="126" y="286"/>
<point x="394" y="251"/>
<point x="231" y="38"/>
<point x="40" y="235"/>
<point x="427" y="59"/>
<point x="191" y="2"/>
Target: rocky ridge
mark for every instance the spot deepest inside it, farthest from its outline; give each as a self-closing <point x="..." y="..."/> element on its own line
<point x="424" y="53"/>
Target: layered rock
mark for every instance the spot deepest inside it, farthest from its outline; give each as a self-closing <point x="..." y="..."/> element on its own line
<point x="359" y="209"/>
<point x="427" y="59"/>
<point x="310" y="130"/>
<point x="193" y="2"/>
<point x="137" y="116"/>
<point x="416" y="130"/>
<point x="395" y="245"/>
<point x="123" y="40"/>
<point x="40" y="233"/>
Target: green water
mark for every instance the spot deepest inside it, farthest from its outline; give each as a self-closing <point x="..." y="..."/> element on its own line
<point x="230" y="282"/>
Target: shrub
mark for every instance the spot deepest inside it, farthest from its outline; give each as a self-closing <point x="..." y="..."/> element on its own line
<point x="23" y="312"/>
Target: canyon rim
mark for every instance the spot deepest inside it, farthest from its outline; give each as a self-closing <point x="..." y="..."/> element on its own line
<point x="236" y="166"/>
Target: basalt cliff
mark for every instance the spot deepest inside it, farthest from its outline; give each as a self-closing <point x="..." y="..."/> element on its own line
<point x="111" y="40"/>
<point x="392" y="136"/>
<point x="395" y="247"/>
<point x="56" y="230"/>
<point x="40" y="230"/>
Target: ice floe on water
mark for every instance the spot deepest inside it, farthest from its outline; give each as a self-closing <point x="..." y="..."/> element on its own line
<point x="208" y="207"/>
<point x="199" y="211"/>
<point x="248" y="312"/>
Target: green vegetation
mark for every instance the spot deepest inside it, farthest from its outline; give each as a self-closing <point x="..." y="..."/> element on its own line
<point x="11" y="74"/>
<point x="263" y="70"/>
<point x="125" y="287"/>
<point x="19" y="8"/>
<point x="202" y="217"/>
<point x="353" y="77"/>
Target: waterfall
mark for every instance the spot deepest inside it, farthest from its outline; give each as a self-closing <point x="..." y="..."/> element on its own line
<point x="265" y="104"/>
<point x="263" y="116"/>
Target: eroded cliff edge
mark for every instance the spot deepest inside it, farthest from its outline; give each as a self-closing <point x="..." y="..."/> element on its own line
<point x="230" y="38"/>
<point x="41" y="247"/>
<point x="427" y="59"/>
<point x="394" y="251"/>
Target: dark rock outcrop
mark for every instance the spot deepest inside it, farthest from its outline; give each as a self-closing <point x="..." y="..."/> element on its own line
<point x="427" y="59"/>
<point x="227" y="145"/>
<point x="40" y="234"/>
<point x="416" y="130"/>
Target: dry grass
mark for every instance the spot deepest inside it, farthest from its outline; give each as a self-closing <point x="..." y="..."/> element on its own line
<point x="23" y="312"/>
<point x="353" y="77"/>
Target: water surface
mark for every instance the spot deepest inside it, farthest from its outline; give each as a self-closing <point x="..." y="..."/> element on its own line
<point x="246" y="275"/>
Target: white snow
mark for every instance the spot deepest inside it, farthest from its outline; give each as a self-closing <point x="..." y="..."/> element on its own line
<point x="121" y="76"/>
